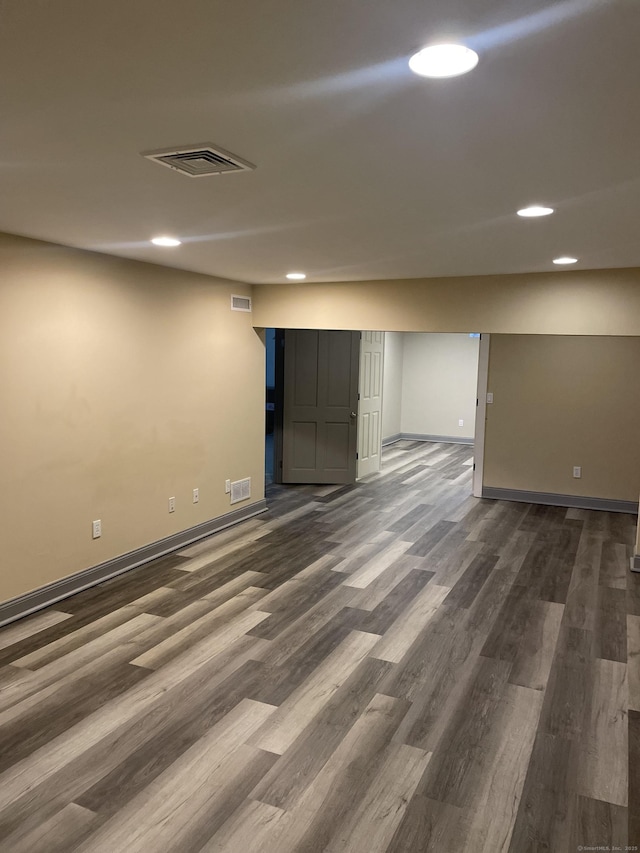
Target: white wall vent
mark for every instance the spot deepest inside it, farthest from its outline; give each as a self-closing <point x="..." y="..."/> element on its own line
<point x="241" y="303"/>
<point x="240" y="490"/>
<point x="199" y="161"/>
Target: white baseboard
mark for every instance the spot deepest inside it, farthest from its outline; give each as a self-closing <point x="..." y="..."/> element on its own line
<point x="47" y="595"/>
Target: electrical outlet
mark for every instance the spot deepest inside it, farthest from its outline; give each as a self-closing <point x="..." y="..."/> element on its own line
<point x="172" y="504"/>
<point x="227" y="487"/>
<point x="96" y="528"/>
<point x="461" y="422"/>
<point x="490" y="397"/>
<point x="577" y="471"/>
<point x="196" y="495"/>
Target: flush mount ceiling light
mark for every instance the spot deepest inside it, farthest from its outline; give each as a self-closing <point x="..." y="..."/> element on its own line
<point x="565" y="259"/>
<point x="296" y="276"/>
<point x="535" y="210"/>
<point x="165" y="241"/>
<point x="443" y="60"/>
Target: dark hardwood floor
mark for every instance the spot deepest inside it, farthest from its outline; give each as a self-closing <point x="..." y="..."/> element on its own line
<point x="393" y="666"/>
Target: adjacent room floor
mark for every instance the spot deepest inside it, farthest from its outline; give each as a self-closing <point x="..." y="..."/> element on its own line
<point x="393" y="666"/>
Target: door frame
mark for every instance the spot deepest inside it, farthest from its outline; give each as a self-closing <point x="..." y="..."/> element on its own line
<point x="278" y="402"/>
<point x="481" y="414"/>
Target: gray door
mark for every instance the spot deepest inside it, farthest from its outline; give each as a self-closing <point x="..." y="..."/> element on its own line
<point x="320" y="406"/>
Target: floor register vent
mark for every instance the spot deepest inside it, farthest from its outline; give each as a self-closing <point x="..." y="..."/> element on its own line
<point x="199" y="161"/>
<point x="240" y="490"/>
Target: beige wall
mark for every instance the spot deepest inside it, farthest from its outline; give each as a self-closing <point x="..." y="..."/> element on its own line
<point x="439" y="384"/>
<point x="592" y="302"/>
<point x="121" y="384"/>
<point x="560" y="402"/>
<point x="392" y="384"/>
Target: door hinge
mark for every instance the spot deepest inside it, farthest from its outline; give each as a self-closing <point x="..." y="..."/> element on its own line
<point x="477" y="402"/>
<point x="357" y="456"/>
<point x="474" y="466"/>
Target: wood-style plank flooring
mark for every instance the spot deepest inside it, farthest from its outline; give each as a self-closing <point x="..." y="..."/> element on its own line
<point x="394" y="666"/>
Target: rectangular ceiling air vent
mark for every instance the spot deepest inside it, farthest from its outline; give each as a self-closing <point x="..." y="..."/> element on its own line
<point x="241" y="303"/>
<point x="199" y="161"/>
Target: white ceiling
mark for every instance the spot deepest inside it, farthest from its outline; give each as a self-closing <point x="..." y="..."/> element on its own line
<point x="364" y="171"/>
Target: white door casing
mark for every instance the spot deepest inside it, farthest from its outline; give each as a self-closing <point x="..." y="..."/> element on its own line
<point x="481" y="414"/>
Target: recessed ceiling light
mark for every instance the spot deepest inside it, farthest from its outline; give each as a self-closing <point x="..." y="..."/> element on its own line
<point x="443" y="60"/>
<point x="296" y="276"/>
<point x="165" y="241"/>
<point x="565" y="260"/>
<point x="535" y="210"/>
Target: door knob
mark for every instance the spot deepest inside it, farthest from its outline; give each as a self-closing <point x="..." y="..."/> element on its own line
<point x="354" y="415"/>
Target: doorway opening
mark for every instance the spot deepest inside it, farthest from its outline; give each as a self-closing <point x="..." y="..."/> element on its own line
<point x="411" y="386"/>
<point x="430" y="395"/>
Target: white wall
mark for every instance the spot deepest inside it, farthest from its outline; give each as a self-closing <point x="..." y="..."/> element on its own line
<point x="439" y="383"/>
<point x="392" y="384"/>
<point x="430" y="384"/>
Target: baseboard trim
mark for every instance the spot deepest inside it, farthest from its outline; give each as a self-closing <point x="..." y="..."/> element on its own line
<point x="441" y="439"/>
<point x="635" y="563"/>
<point x="392" y="439"/>
<point x="577" y="501"/>
<point x="45" y="596"/>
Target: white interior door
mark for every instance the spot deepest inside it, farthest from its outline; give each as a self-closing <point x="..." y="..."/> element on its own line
<point x="370" y="403"/>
